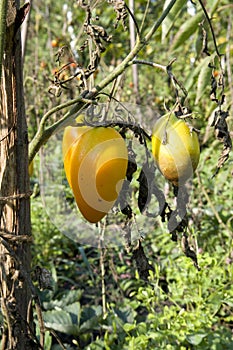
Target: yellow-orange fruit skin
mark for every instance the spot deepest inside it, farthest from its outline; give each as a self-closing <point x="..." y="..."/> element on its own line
<point x="70" y="137"/>
<point x="95" y="166"/>
<point x="175" y="148"/>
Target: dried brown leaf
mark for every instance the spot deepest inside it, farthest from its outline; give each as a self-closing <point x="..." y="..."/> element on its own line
<point x="223" y="135"/>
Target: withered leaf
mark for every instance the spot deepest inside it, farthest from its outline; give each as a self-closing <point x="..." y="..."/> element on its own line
<point x="141" y="261"/>
<point x="223" y="135"/>
<point x="146" y="181"/>
<point x="188" y="251"/>
<point x="121" y="11"/>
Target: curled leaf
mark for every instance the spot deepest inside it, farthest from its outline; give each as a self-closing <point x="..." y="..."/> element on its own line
<point x="144" y="195"/>
<point x="189" y="251"/>
<point x="141" y="260"/>
<point x="223" y="135"/>
<point x="121" y="11"/>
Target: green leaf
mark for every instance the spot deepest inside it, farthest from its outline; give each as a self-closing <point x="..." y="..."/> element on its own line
<point x="142" y="328"/>
<point x="60" y="321"/>
<point x="90" y="312"/>
<point x="228" y="302"/>
<point x="204" y="78"/>
<point x="90" y="318"/>
<point x="126" y="314"/>
<point x="193" y="76"/>
<point x="212" y="6"/>
<point x="68" y="298"/>
<point x="85" y="259"/>
<point x="129" y="327"/>
<point x="186" y="30"/>
<point x="90" y="325"/>
<point x="75" y="312"/>
<point x="196" y="339"/>
<point x="170" y="19"/>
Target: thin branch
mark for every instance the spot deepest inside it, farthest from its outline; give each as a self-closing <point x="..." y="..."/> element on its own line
<point x="135" y="76"/>
<point x="43" y="135"/>
<point x="150" y="63"/>
<point x="144" y="15"/>
<point x="134" y="19"/>
<point x="211" y="27"/>
<point x="139" y="45"/>
<point x="62" y="106"/>
<point x="13" y="238"/>
<point x="216" y="49"/>
<point x="168" y="70"/>
<point x="102" y="268"/>
<point x="52" y="331"/>
<point x="160" y="20"/>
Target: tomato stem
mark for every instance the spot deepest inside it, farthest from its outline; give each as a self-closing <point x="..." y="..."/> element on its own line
<point x="87" y="97"/>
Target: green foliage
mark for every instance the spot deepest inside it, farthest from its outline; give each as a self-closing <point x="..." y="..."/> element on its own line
<point x="178" y="308"/>
<point x="186" y="30"/>
<point x="172" y="16"/>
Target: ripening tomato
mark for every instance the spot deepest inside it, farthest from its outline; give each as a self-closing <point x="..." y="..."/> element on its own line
<point x="54" y="43"/>
<point x="175" y="148"/>
<point x="70" y="137"/>
<point x="95" y="162"/>
<point x="72" y="133"/>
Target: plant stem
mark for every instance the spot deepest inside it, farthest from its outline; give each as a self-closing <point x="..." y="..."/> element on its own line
<point x="102" y="268"/>
<point x="43" y="134"/>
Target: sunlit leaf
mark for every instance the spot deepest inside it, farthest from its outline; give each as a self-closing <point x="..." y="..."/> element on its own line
<point x="129" y="327"/>
<point x="169" y="20"/>
<point x="228" y="302"/>
<point x="186" y="30"/>
<point x="196" y="339"/>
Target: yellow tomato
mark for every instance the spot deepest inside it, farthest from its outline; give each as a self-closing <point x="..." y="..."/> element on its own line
<point x="72" y="133"/>
<point x="95" y="166"/>
<point x="70" y="137"/>
<point x="175" y="148"/>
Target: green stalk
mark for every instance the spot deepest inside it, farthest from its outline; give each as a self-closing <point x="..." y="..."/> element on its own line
<point x="43" y="134"/>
